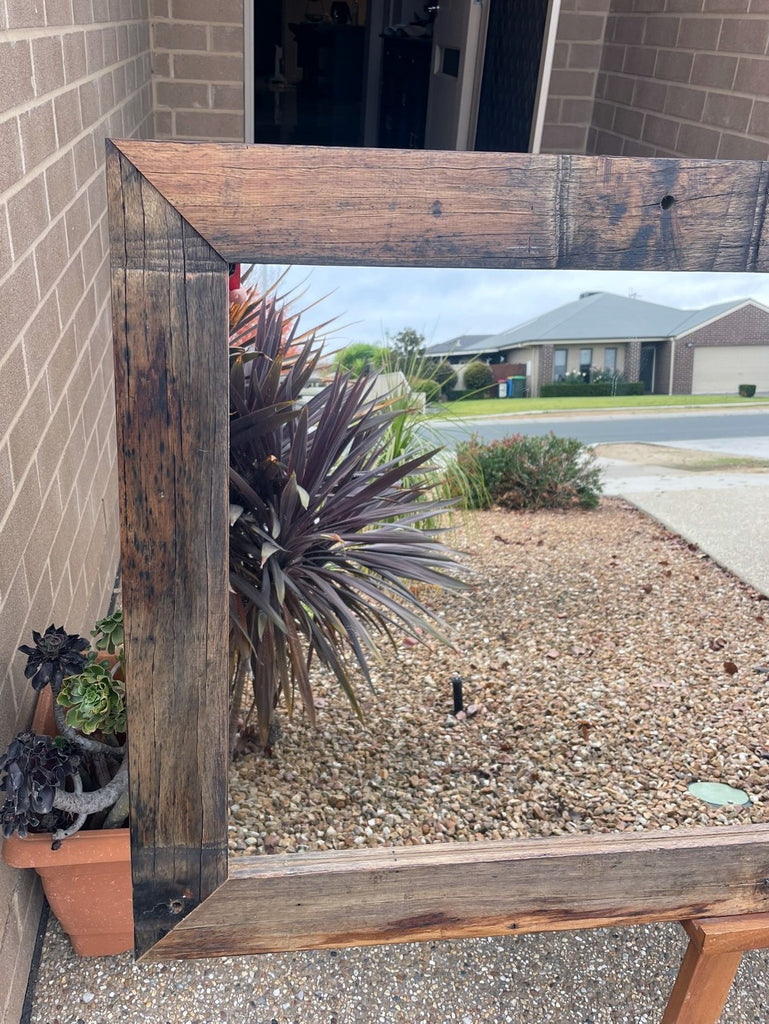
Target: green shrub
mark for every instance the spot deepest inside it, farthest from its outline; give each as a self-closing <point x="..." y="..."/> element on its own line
<point x="445" y="374"/>
<point x="478" y="377"/>
<point x="530" y="472"/>
<point x="429" y="387"/>
<point x="746" y="390"/>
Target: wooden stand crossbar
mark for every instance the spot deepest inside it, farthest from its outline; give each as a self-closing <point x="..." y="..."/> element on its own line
<point x="716" y="945"/>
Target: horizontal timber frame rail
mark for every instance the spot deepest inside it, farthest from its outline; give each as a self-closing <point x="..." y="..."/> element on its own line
<point x="179" y="213"/>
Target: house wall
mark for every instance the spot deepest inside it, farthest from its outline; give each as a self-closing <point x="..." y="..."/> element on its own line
<point x="197" y="69"/>
<point x="682" y="78"/>
<point x="687" y="78"/>
<point x="746" y="326"/>
<point x="71" y="73"/>
<point x="574" y="79"/>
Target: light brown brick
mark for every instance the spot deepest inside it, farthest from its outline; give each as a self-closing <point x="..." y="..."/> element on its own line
<point x="6" y="477"/>
<point x="223" y="11"/>
<point x="26" y="14"/>
<point x="673" y="66"/>
<point x="38" y="134"/>
<point x="226" y="38"/>
<point x="753" y="76"/>
<point x="28" y="215"/>
<point x="725" y="110"/>
<point x="24" y="436"/>
<point x="207" y="67"/>
<point x="85" y="159"/>
<point x="683" y="101"/>
<point x="70" y="288"/>
<point x="639" y="60"/>
<point x="713" y="70"/>
<point x="576" y="111"/>
<point x="10" y="147"/>
<point x="684" y="6"/>
<point x="725" y="6"/>
<point x="6" y="256"/>
<point x="649" y="95"/>
<point x="15" y="73"/>
<point x="82" y="12"/>
<point x="175" y="35"/>
<point x="208" y="124"/>
<point x="759" y="121"/>
<point x="564" y="138"/>
<point x="660" y="132"/>
<point x="696" y="141"/>
<point x="68" y="120"/>
<point x="740" y="35"/>
<point x="577" y="27"/>
<point x="699" y="34"/>
<point x="48" y="63"/>
<point x="660" y="31"/>
<point x="737" y="147"/>
<point x="73" y="46"/>
<point x="179" y="95"/>
<point x="51" y="255"/>
<point x="16" y="530"/>
<point x="628" y="122"/>
<point x="584" y="55"/>
<point x="227" y="97"/>
<point x="58" y="13"/>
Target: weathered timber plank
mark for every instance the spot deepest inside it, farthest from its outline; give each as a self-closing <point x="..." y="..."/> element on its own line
<point x="169" y="294"/>
<point x="284" y="204"/>
<point x="461" y="890"/>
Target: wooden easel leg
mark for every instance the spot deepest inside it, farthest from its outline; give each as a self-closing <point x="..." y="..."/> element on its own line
<point x="702" y="985"/>
<point x="716" y="945"/>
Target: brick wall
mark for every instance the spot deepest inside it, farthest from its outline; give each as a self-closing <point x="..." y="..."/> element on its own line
<point x="574" y="78"/>
<point x="71" y="73"/>
<point x="748" y="325"/>
<point x="197" y="69"/>
<point x="684" y="78"/>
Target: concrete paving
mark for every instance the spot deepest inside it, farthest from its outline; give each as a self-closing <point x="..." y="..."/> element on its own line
<point x="609" y="976"/>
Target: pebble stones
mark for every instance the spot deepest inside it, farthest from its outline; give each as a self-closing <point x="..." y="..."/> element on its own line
<point x="591" y="649"/>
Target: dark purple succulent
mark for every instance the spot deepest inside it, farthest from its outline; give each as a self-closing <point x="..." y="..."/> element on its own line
<point x="56" y="654"/>
<point x="31" y="771"/>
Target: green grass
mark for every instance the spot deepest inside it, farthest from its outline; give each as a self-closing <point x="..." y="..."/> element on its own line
<point x="515" y="406"/>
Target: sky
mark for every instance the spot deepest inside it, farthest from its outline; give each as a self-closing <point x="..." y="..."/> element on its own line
<point x="373" y="303"/>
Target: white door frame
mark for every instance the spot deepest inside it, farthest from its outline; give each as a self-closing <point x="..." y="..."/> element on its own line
<point x="543" y="79"/>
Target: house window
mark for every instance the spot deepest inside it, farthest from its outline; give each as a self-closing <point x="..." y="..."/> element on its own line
<point x="559" y="364"/>
<point x="585" y="362"/>
<point x="610" y="360"/>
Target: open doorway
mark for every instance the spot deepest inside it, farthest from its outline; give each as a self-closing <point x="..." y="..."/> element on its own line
<point x="441" y="74"/>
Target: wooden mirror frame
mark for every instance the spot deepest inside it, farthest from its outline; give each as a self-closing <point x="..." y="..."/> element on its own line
<point x="179" y="213"/>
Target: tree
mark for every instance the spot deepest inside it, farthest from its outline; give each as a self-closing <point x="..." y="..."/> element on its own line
<point x="407" y="348"/>
<point x="359" y="358"/>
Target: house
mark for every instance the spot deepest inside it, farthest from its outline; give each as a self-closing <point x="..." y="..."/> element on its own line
<point x="673" y="351"/>
<point x="662" y="82"/>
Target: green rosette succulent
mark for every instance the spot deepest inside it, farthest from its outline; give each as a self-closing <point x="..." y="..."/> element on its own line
<point x="95" y="700"/>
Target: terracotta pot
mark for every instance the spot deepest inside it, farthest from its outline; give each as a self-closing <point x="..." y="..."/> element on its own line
<point x="87" y="881"/>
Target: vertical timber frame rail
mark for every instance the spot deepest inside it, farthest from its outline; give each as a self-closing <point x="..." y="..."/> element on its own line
<point x="178" y="214"/>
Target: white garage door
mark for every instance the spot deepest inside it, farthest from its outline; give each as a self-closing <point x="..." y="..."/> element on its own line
<point x="719" y="370"/>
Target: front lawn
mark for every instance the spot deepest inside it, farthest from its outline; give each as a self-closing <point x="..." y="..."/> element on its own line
<point x="516" y="406"/>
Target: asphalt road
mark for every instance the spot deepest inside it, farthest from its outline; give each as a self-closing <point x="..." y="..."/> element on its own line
<point x="651" y="427"/>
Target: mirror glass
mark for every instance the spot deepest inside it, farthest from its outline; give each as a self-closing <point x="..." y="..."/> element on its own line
<point x="594" y="669"/>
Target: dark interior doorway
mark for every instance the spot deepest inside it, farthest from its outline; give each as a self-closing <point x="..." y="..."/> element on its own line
<point x="355" y="72"/>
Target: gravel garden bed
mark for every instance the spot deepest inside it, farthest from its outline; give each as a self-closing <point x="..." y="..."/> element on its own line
<point x="606" y="664"/>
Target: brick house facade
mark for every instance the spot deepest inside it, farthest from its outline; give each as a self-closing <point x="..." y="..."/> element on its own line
<point x="73" y="72"/>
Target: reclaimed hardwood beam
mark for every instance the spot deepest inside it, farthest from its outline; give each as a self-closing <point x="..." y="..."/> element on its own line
<point x="283" y="204"/>
<point x="169" y="299"/>
<point x="462" y="890"/>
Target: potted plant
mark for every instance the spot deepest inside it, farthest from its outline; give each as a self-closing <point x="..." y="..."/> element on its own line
<point x="66" y="786"/>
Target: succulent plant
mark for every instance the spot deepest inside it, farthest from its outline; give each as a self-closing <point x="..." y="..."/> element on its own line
<point x="94" y="700"/>
<point x="55" y="654"/>
<point x="54" y="785"/>
<point x="32" y="770"/>
<point x="108" y="633"/>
